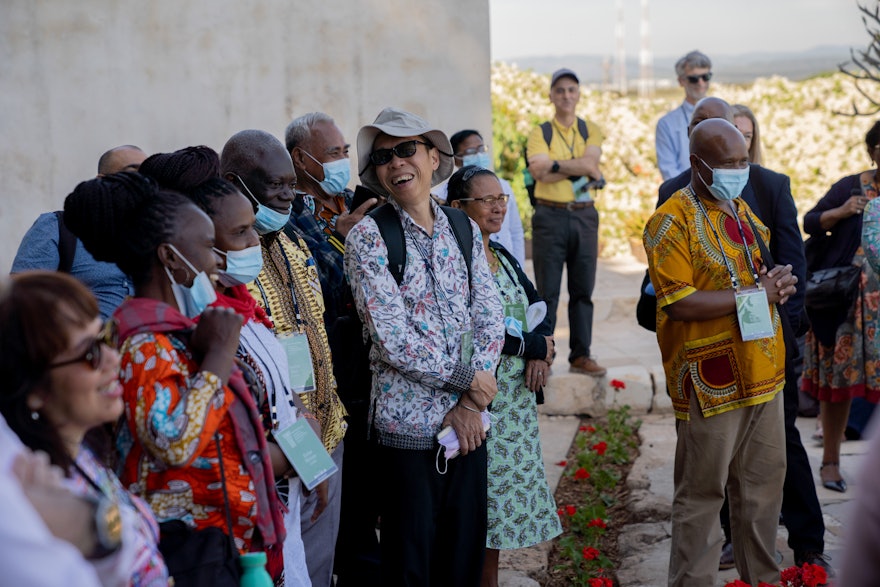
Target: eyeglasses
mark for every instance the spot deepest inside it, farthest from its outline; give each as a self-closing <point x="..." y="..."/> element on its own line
<point x="404" y="150"/>
<point x="692" y="79"/>
<point x="93" y="353"/>
<point x="472" y="151"/>
<point x="488" y="201"/>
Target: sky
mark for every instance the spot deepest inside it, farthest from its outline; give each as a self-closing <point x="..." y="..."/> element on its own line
<point x="525" y="28"/>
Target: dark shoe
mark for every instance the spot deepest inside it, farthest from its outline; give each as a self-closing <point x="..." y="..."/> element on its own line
<point x="587" y="366"/>
<point x="831" y="479"/>
<point x="726" y="560"/>
<point x="814" y="558"/>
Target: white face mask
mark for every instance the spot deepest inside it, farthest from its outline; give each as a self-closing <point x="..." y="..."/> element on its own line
<point x="241" y="266"/>
<point x="192" y="300"/>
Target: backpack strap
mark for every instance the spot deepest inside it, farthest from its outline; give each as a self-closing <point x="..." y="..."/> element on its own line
<point x="464" y="234"/>
<point x="66" y="244"/>
<point x="547" y="130"/>
<point x="392" y="233"/>
<point x="582" y="129"/>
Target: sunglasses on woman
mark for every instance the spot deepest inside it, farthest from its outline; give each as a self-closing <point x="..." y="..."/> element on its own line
<point x="93" y="353"/>
<point x="404" y="150"/>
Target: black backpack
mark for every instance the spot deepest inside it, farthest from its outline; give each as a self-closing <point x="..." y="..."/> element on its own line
<point x="547" y="131"/>
<point x="392" y="233"/>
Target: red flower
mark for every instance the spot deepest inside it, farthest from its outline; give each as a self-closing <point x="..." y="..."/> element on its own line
<point x="617" y="384"/>
<point x="560" y="512"/>
<point x="608" y="582"/>
<point x="814" y="575"/>
<point x="581" y="474"/>
<point x="570" y="510"/>
<point x="737" y="583"/>
<point x="596" y="582"/>
<point x="590" y="429"/>
<point x="582" y="428"/>
<point x="590" y="553"/>
<point x="597" y="523"/>
<point x="561" y="463"/>
<point x="600" y="448"/>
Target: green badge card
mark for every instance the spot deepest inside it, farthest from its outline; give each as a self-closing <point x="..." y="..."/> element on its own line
<point x="304" y="450"/>
<point x="753" y="313"/>
<point x="299" y="362"/>
<point x="517" y="311"/>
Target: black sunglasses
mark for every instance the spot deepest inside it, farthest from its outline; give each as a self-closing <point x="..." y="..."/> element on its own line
<point x="404" y="150"/>
<point x="93" y="353"/>
<point x="692" y="79"/>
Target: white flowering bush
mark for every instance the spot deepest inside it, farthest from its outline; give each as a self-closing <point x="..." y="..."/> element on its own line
<point x="801" y="135"/>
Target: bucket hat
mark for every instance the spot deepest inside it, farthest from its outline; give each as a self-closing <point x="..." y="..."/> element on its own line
<point x="399" y="123"/>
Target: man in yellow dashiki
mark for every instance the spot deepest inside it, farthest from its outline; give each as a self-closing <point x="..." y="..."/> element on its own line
<point x="723" y="373"/>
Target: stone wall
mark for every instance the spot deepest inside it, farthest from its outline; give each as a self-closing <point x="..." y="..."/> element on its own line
<point x="81" y="77"/>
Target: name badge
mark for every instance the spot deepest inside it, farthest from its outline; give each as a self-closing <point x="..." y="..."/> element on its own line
<point x="753" y="314"/>
<point x="299" y="362"/>
<point x="467" y="347"/>
<point x="304" y="450"/>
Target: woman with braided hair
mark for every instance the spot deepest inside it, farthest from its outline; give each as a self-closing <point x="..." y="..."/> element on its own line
<point x="192" y="443"/>
<point x="194" y="172"/>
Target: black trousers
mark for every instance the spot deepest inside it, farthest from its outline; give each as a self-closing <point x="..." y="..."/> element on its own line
<point x="801" y="512"/>
<point x="570" y="239"/>
<point x="433" y="528"/>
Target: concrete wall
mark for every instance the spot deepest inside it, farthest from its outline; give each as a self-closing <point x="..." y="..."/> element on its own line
<point x="81" y="77"/>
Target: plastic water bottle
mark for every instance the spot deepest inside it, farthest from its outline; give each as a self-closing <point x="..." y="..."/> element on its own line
<point x="254" y="574"/>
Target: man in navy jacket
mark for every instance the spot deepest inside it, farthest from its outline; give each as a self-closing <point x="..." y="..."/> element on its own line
<point x="768" y="194"/>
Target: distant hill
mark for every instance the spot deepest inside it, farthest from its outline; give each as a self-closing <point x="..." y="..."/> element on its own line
<point x="742" y="68"/>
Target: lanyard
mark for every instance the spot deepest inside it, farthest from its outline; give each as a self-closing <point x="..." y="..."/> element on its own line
<point x="733" y="278"/>
<point x="564" y="142"/>
<point x="299" y="320"/>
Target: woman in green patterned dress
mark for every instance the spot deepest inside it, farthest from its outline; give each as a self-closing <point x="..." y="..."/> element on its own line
<point x="522" y="511"/>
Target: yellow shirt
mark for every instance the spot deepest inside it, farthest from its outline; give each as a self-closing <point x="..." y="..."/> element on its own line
<point x="289" y="267"/>
<point x="565" y="143"/>
<point x="709" y="357"/>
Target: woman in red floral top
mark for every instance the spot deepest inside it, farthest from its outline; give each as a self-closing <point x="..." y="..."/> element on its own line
<point x="190" y="419"/>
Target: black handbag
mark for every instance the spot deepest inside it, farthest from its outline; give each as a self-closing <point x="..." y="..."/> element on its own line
<point x="201" y="558"/>
<point x="832" y="288"/>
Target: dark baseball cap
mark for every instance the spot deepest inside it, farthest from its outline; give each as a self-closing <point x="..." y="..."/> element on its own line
<point x="564" y="72"/>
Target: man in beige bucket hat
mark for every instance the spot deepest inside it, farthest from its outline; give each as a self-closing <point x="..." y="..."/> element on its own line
<point x="437" y="336"/>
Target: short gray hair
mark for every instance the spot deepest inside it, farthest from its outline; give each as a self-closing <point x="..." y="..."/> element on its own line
<point x="691" y="60"/>
<point x="300" y="129"/>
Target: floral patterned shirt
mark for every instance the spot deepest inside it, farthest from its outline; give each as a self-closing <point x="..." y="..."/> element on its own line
<point x="418" y="328"/>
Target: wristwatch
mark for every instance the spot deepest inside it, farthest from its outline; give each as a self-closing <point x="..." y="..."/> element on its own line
<point x="555" y="168"/>
<point x="108" y="528"/>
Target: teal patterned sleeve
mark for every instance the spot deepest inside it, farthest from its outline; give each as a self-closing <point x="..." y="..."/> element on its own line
<point x="871" y="233"/>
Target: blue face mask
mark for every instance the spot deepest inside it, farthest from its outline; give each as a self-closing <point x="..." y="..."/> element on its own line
<point x="480" y="159"/>
<point x="192" y="300"/>
<point x="241" y="266"/>
<point x="268" y="220"/>
<point x="727" y="184"/>
<point x="337" y="174"/>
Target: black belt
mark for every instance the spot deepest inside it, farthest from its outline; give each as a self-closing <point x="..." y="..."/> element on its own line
<point x="565" y="205"/>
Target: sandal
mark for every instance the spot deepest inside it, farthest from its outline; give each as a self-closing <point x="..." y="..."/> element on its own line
<point x="832" y="481"/>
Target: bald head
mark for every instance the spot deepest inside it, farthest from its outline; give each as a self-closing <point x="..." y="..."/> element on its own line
<point x="248" y="150"/>
<point x="710" y="107"/>
<point x="122" y="158"/>
<point x="715" y="144"/>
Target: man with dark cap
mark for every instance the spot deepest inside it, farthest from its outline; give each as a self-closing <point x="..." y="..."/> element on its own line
<point x="563" y="158"/>
<point x="49" y="245"/>
<point x="289" y="290"/>
<point x="724" y="356"/>
<point x="437" y="334"/>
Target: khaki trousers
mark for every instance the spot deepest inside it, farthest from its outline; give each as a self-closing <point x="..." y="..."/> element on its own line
<point x="743" y="449"/>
